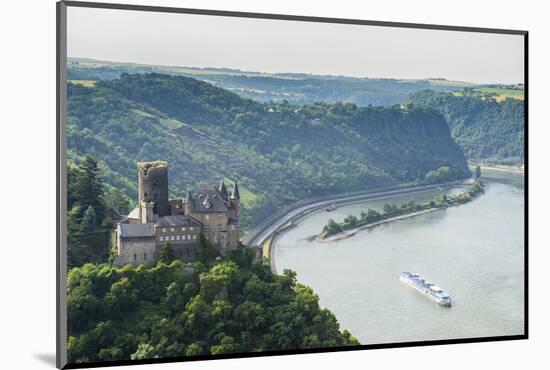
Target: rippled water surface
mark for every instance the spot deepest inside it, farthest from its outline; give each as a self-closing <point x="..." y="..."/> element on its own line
<point x="474" y="252"/>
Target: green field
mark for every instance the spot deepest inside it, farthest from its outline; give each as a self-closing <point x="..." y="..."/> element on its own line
<point x="499" y="93"/>
<point x="87" y="83"/>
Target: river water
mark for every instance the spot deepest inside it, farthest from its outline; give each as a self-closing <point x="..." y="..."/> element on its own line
<point x="473" y="251"/>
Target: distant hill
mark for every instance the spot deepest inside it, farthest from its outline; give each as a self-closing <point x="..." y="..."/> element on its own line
<point x="296" y="88"/>
<point x="279" y="153"/>
<point x="488" y="128"/>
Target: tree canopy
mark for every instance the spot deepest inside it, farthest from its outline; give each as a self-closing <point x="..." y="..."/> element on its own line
<point x="178" y="309"/>
<point x="486" y="129"/>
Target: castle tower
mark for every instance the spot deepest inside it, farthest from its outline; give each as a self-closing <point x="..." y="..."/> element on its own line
<point x="234" y="210"/>
<point x="223" y="190"/>
<point x="146" y="212"/>
<point x="153" y="186"/>
<point x="188" y="207"/>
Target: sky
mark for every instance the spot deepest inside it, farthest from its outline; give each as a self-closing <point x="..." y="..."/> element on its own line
<point x="273" y="46"/>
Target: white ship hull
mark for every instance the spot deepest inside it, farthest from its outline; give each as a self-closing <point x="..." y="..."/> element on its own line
<point x="429" y="290"/>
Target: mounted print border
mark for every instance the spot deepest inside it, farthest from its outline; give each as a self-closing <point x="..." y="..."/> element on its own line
<point x="232" y="199"/>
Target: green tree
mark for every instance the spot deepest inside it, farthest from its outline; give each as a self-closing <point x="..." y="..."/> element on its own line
<point x="167" y="254"/>
<point x="351" y="220"/>
<point x="116" y="200"/>
<point x="88" y="188"/>
<point x="74" y="219"/>
<point x="206" y="253"/>
<point x="332" y="227"/>
<point x="372" y="215"/>
<point x="88" y="223"/>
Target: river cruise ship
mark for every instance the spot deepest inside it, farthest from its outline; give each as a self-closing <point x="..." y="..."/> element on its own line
<point x="430" y="290"/>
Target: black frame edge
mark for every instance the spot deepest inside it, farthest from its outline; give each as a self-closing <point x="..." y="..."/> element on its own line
<point x="60" y="196"/>
<point x="526" y="184"/>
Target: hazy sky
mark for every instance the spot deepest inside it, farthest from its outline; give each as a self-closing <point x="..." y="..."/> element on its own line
<point x="288" y="46"/>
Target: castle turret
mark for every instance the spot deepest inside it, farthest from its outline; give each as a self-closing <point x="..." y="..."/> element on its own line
<point x="235" y="193"/>
<point x="188" y="203"/>
<point x="223" y="190"/>
<point x="235" y="203"/>
<point x="153" y="186"/>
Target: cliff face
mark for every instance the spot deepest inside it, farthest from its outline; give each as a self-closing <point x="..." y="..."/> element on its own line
<point x="279" y="153"/>
<point x="485" y="128"/>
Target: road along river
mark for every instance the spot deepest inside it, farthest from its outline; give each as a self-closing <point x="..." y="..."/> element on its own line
<point x="475" y="252"/>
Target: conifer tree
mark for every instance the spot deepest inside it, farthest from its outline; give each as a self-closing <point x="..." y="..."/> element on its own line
<point x="89" y="222"/>
<point x="88" y="188"/>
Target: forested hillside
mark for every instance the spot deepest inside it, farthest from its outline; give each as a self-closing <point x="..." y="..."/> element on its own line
<point x="487" y="130"/>
<point x="173" y="309"/>
<point x="296" y="88"/>
<point x="279" y="153"/>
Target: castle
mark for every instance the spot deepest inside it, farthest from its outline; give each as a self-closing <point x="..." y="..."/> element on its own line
<point x="159" y="220"/>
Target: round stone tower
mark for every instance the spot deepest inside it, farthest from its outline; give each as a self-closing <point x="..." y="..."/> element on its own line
<point x="153" y="186"/>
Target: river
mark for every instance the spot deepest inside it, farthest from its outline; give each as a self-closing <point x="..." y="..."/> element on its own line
<point x="475" y="252"/>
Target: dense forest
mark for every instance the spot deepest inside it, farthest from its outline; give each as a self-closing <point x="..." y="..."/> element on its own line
<point x="486" y="130"/>
<point x="279" y="152"/>
<point x="208" y="307"/>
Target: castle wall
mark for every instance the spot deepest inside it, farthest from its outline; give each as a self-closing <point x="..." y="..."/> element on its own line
<point x="214" y="227"/>
<point x="233" y="236"/>
<point x="136" y="251"/>
<point x="177" y="235"/>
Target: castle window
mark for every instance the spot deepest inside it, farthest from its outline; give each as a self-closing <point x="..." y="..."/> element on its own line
<point x="183" y="229"/>
<point x="191" y="228"/>
<point x="207" y="217"/>
<point x="220" y="215"/>
<point x="194" y="237"/>
<point x="172" y="238"/>
<point x="188" y="237"/>
<point x="135" y="257"/>
<point x="145" y="256"/>
<point x="233" y="227"/>
<point x="172" y="229"/>
<point x="177" y="237"/>
<point x="206" y="227"/>
<point x="163" y="230"/>
<point x="161" y="238"/>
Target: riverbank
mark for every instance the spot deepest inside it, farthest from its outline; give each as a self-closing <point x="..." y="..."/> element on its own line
<point x="500" y="168"/>
<point x="352" y="224"/>
<point x="349" y="233"/>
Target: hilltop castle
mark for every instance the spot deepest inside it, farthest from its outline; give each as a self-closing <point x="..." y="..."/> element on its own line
<point x="159" y="220"/>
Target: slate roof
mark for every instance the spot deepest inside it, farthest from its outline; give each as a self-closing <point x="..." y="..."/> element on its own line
<point x="223" y="190"/>
<point x="177" y="220"/>
<point x="136" y="230"/>
<point x="235" y="194"/>
<point x="209" y="200"/>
